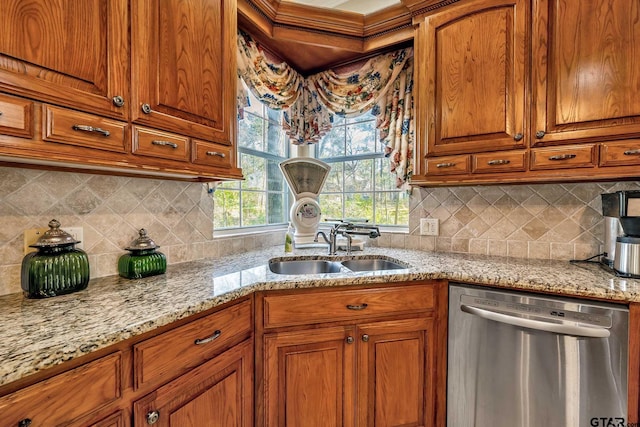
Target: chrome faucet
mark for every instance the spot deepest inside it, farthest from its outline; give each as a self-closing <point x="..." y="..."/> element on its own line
<point x="346" y="229"/>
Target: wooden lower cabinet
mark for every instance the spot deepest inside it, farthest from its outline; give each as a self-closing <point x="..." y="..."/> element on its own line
<point x="376" y="370"/>
<point x="394" y="365"/>
<point x="216" y="394"/>
<point x="309" y="377"/>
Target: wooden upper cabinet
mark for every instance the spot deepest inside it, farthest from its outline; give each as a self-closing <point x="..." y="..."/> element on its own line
<point x="472" y="57"/>
<point x="184" y="67"/>
<point x="586" y="70"/>
<point x="71" y="53"/>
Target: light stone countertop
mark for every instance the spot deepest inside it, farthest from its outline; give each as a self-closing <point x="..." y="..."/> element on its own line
<point x="36" y="334"/>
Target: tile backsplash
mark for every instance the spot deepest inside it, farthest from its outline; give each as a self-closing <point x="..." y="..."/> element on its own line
<point x="546" y="221"/>
<point x="111" y="210"/>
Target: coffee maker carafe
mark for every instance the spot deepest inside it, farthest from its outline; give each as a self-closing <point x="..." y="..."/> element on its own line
<point x="615" y="206"/>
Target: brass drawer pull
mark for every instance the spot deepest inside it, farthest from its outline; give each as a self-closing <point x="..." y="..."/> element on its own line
<point x="445" y="165"/>
<point x="498" y="162"/>
<point x="562" y="157"/>
<point x="357" y="307"/>
<point x="632" y="152"/>
<point x="216" y="153"/>
<point x="207" y="340"/>
<point x="85" y="128"/>
<point x="165" y="143"/>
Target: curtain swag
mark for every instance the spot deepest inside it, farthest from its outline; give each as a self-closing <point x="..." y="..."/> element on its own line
<point x="383" y="85"/>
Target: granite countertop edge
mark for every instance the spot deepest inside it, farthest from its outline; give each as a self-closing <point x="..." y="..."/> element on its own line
<point x="38" y="334"/>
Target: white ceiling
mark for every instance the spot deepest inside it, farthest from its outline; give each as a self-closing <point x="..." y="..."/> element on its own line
<point x="364" y="7"/>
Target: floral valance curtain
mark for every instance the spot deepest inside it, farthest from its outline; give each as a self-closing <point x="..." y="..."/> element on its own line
<point x="382" y="85"/>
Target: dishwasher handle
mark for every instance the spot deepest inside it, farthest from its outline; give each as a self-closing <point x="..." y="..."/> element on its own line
<point x="580" y="331"/>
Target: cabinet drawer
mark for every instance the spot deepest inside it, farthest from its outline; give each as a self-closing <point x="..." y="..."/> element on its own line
<point x="16" y="116"/>
<point x="620" y="153"/>
<point x="339" y="305"/>
<point x="175" y="352"/>
<point x="209" y="154"/>
<point x="449" y="165"/>
<point x="66" y="397"/>
<point x="155" y="143"/>
<point x="82" y="129"/>
<point x="577" y="156"/>
<point x="505" y="161"/>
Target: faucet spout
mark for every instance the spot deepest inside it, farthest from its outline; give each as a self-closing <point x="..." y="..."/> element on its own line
<point x="324" y="237"/>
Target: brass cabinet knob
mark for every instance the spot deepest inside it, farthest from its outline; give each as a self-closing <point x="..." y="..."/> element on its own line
<point x="153" y="417"/>
<point x="118" y="101"/>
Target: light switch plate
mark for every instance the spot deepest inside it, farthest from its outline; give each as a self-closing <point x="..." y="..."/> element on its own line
<point x="429" y="226"/>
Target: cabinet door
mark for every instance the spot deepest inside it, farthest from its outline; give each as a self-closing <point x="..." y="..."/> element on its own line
<point x="309" y="378"/>
<point x="216" y="394"/>
<point x="395" y="366"/>
<point x="184" y="66"/>
<point x="586" y="69"/>
<point x="471" y="59"/>
<point x="72" y="53"/>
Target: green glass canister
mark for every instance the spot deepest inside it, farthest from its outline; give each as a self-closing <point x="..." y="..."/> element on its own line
<point x="57" y="268"/>
<point x="143" y="260"/>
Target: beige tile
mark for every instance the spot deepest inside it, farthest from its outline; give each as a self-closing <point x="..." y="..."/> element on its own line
<point x="584" y="251"/>
<point x="517" y="249"/>
<point x="443" y="244"/>
<point x="412" y="242"/>
<point x="539" y="250"/>
<point x="460" y="245"/>
<point x="498" y="247"/>
<point x="562" y="251"/>
<point x="10" y="279"/>
<point x="535" y="228"/>
<point x="479" y="246"/>
<point x="396" y="240"/>
<point x="427" y="243"/>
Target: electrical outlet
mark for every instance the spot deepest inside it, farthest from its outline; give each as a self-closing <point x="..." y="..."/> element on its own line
<point x="429" y="226"/>
<point x="32" y="235"/>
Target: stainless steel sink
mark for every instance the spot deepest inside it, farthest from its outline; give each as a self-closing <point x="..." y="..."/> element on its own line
<point x="371" y="264"/>
<point x="313" y="266"/>
<point x="323" y="266"/>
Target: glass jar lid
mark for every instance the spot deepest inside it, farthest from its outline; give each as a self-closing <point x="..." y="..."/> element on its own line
<point x="142" y="243"/>
<point x="54" y="237"/>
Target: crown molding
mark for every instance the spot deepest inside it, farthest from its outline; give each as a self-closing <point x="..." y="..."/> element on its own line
<point x="310" y="37"/>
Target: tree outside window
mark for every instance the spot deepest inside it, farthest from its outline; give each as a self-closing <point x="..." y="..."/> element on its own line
<point x="359" y="186"/>
<point x="262" y="198"/>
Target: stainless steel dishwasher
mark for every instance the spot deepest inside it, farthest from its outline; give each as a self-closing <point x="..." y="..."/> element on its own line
<point x="527" y="360"/>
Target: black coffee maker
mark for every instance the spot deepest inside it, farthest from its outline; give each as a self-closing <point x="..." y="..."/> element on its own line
<point x="614" y="206"/>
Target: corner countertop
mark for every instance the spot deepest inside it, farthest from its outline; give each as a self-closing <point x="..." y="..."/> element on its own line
<point x="37" y="334"/>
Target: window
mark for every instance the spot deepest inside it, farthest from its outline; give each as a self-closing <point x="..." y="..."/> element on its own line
<point x="360" y="185"/>
<point x="262" y="198"/>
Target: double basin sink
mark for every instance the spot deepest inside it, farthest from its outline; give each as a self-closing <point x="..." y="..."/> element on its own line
<point x="323" y="266"/>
